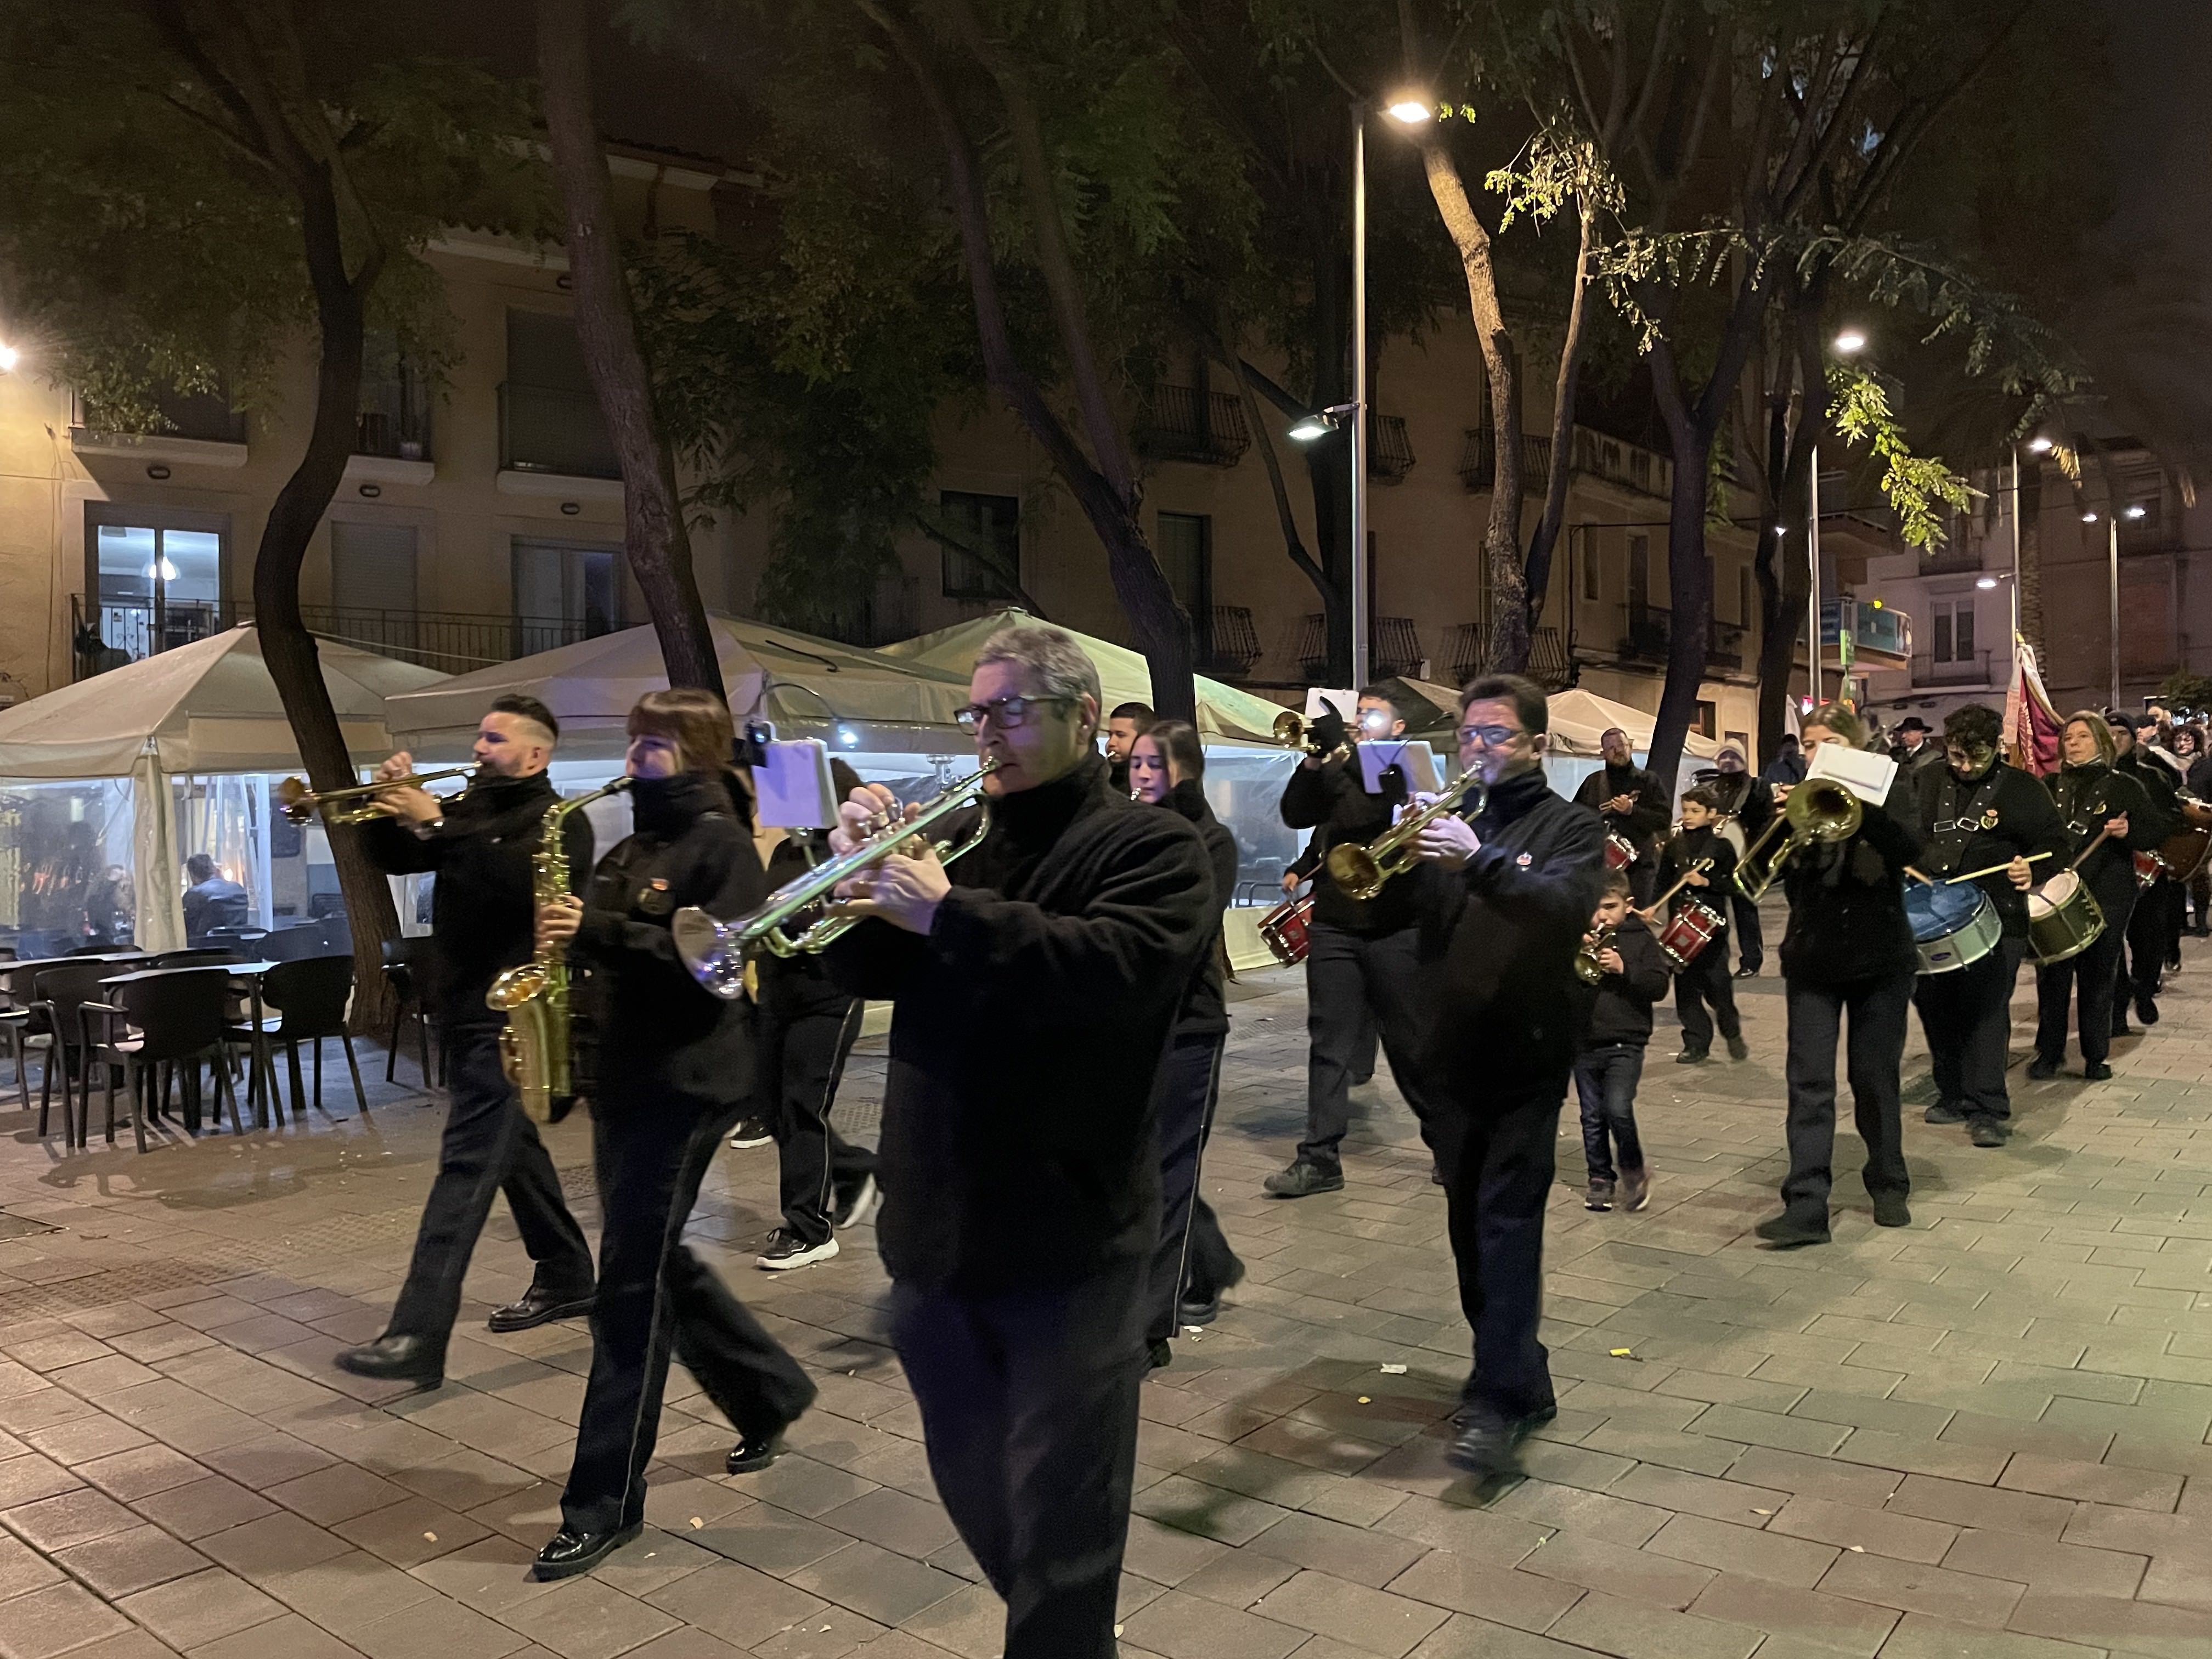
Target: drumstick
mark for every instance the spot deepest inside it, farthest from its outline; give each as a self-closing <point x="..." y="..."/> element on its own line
<point x="2091" y="848"/>
<point x="1975" y="875"/>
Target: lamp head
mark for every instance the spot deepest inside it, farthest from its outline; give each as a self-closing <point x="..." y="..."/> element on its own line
<point x="2137" y="512"/>
<point x="1851" y="342"/>
<point x="1311" y="428"/>
<point x="2039" y="445"/>
<point x="1410" y="111"/>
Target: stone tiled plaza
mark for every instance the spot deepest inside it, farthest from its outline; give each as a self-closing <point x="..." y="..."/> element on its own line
<point x="1982" y="1437"/>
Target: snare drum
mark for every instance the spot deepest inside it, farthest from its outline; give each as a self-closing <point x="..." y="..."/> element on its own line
<point x="1954" y="926"/>
<point x="2148" y="870"/>
<point x="2182" y="854"/>
<point x="1619" y="851"/>
<point x="2062" y="919"/>
<point x="1693" y="928"/>
<point x="1283" y="930"/>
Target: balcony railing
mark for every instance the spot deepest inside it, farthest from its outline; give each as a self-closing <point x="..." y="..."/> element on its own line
<point x="1390" y="450"/>
<point x="542" y="429"/>
<point x="1594" y="455"/>
<point x="1182" y="424"/>
<point x="395" y="418"/>
<point x="1873" y="628"/>
<point x="108" y="634"/>
<point x="1648" y="634"/>
<point x="1973" y="669"/>
<point x="1228" y="644"/>
<point x="1397" y="647"/>
<point x="1547" y="656"/>
<point x="205" y="416"/>
<point x="1477" y="461"/>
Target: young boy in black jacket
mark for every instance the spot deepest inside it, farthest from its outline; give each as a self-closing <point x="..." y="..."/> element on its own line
<point x="1611" y="1062"/>
<point x="1705" y="984"/>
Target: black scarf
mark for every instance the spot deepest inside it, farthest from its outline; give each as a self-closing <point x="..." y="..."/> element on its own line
<point x="667" y="807"/>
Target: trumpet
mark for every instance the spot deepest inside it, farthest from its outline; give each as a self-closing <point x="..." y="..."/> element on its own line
<point x="1594" y="945"/>
<point x="1293" y="732"/>
<point x="1819" y="810"/>
<point x="298" y="803"/>
<point x="1360" y="872"/>
<point x="714" y="950"/>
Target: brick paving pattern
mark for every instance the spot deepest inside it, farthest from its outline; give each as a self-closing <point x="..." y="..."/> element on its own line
<point x="1981" y="1437"/>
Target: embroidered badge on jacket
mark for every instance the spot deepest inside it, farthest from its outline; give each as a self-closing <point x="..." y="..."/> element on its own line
<point x="654" y="898"/>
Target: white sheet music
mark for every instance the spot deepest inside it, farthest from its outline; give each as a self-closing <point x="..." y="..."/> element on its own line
<point x="1865" y="774"/>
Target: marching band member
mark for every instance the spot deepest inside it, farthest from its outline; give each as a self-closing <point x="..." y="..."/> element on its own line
<point x="2145" y="932"/>
<point x="1704" y="982"/>
<point x="1503" y="1027"/>
<point x="1977" y="812"/>
<point x="1633" y="804"/>
<point x="1193" y="1263"/>
<point x="1363" y="962"/>
<point x="1747" y="802"/>
<point x="1034" y="983"/>
<point x="2093" y="798"/>
<point x="677" y="1070"/>
<point x="480" y="846"/>
<point x="1633" y="976"/>
<point x="1847" y="954"/>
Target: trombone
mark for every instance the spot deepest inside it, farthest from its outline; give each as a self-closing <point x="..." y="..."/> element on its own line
<point x="1361" y="872"/>
<point x="1819" y="811"/>
<point x="714" y="950"/>
<point x="299" y="803"/>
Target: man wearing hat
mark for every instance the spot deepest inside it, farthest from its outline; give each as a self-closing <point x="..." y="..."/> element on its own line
<point x="2144" y="958"/>
<point x="1915" y="756"/>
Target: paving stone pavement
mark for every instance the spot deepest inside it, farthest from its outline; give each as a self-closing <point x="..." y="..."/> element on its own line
<point x="1981" y="1437"/>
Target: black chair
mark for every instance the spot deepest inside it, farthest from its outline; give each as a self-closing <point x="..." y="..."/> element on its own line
<point x="62" y="992"/>
<point x="150" y="1028"/>
<point x="198" y="955"/>
<point x="403" y="962"/>
<point x="310" y="997"/>
<point x="24" y="1028"/>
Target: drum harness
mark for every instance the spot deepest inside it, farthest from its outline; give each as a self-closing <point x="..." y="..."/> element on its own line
<point x="1948" y="850"/>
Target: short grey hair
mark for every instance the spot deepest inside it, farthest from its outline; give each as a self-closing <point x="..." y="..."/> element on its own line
<point x="1060" y="666"/>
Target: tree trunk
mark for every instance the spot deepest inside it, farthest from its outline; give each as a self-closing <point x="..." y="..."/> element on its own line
<point x="1537" y="573"/>
<point x="654" y="537"/>
<point x="1689" y="596"/>
<point x="286" y="646"/>
<point x="1785" y="583"/>
<point x="1508" y="650"/>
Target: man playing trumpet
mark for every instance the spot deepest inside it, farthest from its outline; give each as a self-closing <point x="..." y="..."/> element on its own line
<point x="479" y="846"/>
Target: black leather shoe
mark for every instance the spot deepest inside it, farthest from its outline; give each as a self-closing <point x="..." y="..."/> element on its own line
<point x="1487" y="1439"/>
<point x="1198" y="1313"/>
<point x="2042" y="1067"/>
<point x="1890" y="1210"/>
<point x="1989" y="1132"/>
<point x="396" y="1359"/>
<point x="1162" y="1355"/>
<point x="1789" y="1231"/>
<point x="1303" y="1179"/>
<point x="568" y="1553"/>
<point x="1944" y="1111"/>
<point x="540" y="1307"/>
<point x="755" y="1453"/>
<point x="2097" y="1072"/>
<point x="2146" y="1010"/>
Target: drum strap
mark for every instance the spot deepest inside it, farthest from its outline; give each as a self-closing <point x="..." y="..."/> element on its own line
<point x="1956" y="824"/>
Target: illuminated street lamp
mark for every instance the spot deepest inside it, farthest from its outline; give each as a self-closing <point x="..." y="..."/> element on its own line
<point x="8" y="358"/>
<point x="1850" y="342"/>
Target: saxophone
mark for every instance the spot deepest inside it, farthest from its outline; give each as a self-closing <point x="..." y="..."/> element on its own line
<point x="533" y="1047"/>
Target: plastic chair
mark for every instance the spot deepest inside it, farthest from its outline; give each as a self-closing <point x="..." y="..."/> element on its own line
<point x="62" y="992"/>
<point x="403" y="959"/>
<point x="310" y="997"/>
<point x="178" y="1019"/>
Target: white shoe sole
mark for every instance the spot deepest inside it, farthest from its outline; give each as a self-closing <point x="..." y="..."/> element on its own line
<point x="804" y="1259"/>
<point x="871" y="1197"/>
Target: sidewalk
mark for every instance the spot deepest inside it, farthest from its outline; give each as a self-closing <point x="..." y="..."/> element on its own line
<point x="1980" y="1438"/>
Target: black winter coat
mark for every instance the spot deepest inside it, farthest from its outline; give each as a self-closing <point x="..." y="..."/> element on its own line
<point x="483" y="906"/>
<point x="1644" y="823"/>
<point x="1685" y="850"/>
<point x="1328" y="800"/>
<point x="1204" y="1011"/>
<point x="1620" y="1004"/>
<point x="2087" y="795"/>
<point x="1847" y="922"/>
<point x="1501" y="1012"/>
<point x="661" y="1031"/>
<point x="1969" y="825"/>
<point x="1029" y="1025"/>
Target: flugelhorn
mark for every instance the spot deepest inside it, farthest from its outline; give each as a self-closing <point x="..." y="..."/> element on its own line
<point x="714" y="950"/>
<point x="297" y="802"/>
<point x="1361" y="872"/>
<point x="1818" y="810"/>
<point x="1293" y="730"/>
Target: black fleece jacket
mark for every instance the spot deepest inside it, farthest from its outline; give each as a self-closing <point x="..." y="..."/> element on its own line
<point x="1644" y="822"/>
<point x="1328" y="800"/>
<point x="1620" y="1004"/>
<point x="1847" y="921"/>
<point x="1030" y="1024"/>
<point x="661" y="1031"/>
<point x="1502" y="1016"/>
<point x="1685" y="850"/>
<point x="483" y="909"/>
<point x="1204" y="1011"/>
<point x="1972" y="824"/>
<point x="2086" y="797"/>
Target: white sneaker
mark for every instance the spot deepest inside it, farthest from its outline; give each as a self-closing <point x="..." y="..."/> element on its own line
<point x="860" y="1207"/>
<point x="751" y="1133"/>
<point x="785" y="1250"/>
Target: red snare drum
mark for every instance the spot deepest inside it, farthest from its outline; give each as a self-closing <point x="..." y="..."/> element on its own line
<point x="1620" y="852"/>
<point x="1283" y="930"/>
<point x="1694" y="927"/>
<point x="2182" y="854"/>
<point x="2148" y="870"/>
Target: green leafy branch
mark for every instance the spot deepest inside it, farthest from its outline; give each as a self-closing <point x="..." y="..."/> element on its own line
<point x="1919" y="488"/>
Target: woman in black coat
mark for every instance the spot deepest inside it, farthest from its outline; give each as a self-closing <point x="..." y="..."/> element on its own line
<point x="1193" y="1263"/>
<point x="675" y="1073"/>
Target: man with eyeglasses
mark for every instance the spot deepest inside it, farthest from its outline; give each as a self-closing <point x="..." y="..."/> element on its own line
<point x="1361" y="962"/>
<point x="1034" y="985"/>
<point x="1502" y="1027"/>
<point x="1634" y="806"/>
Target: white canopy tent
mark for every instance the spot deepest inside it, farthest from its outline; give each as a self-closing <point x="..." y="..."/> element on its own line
<point x="208" y="710"/>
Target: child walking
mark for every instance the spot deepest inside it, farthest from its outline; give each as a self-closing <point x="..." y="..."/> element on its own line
<point x="1704" y="994"/>
<point x="1634" y="976"/>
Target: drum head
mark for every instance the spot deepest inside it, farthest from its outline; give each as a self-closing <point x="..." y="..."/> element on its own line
<point x="2053" y="893"/>
<point x="1938" y="911"/>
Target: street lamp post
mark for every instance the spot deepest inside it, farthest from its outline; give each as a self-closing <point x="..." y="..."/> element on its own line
<point x="1812" y="586"/>
<point x="1360" y="622"/>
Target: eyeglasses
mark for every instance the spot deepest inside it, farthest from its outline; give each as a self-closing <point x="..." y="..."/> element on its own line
<point x="1493" y="737"/>
<point x="1005" y="713"/>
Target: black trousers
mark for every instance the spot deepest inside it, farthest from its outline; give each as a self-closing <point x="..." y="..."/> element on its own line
<point x="2199" y="899"/>
<point x="1189" y="1076"/>
<point x="1348" y="978"/>
<point x="1029" y="1414"/>
<point x="1706" y="984"/>
<point x="656" y="1297"/>
<point x="1497" y="1154"/>
<point x="2176" y="911"/>
<point x="1750" y="943"/>
<point x="488" y="1147"/>
<point x="2094" y="975"/>
<point x="802" y="1058"/>
<point x="1606" y="1080"/>
<point x="1967" y="1017"/>
<point x="1874" y="1049"/>
<point x="2145" y="932"/>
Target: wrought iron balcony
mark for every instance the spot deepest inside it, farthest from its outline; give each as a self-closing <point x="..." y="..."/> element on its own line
<point x="1390" y="450"/>
<point x="1228" y="644"/>
<point x="1477" y="461"/>
<point x="543" y="430"/>
<point x="1182" y="424"/>
<point x="1648" y="635"/>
